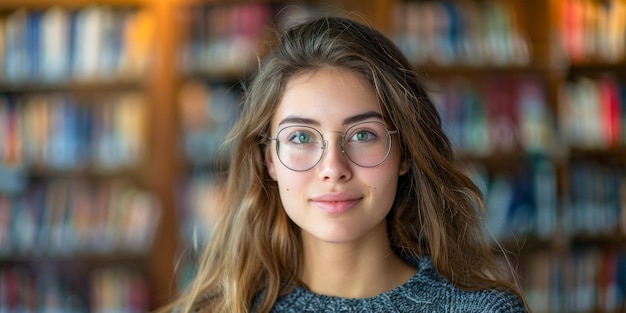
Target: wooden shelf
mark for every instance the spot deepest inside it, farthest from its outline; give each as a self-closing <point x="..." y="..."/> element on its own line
<point x="483" y="70"/>
<point x="597" y="69"/>
<point x="87" y="259"/>
<point x="132" y="173"/>
<point x="73" y="86"/>
<point x="603" y="240"/>
<point x="612" y="155"/>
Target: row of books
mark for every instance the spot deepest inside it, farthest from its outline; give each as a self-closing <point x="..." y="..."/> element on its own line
<point x="460" y="33"/>
<point x="207" y="113"/>
<point x="592" y="112"/>
<point x="224" y="38"/>
<point x="593" y="30"/>
<point x="60" y="131"/>
<point x="528" y="200"/>
<point x="520" y="203"/>
<point x="48" y="289"/>
<point x="501" y="115"/>
<point x="585" y="280"/>
<point x="70" y="217"/>
<point x="597" y="199"/>
<point x="91" y="43"/>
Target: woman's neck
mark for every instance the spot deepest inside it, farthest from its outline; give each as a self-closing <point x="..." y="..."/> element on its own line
<point x="360" y="269"/>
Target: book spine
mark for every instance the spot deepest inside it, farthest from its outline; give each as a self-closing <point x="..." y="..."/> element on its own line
<point x="57" y="289"/>
<point x="55" y="44"/>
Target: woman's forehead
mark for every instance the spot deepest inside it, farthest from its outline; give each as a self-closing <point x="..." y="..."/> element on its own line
<point x="326" y="95"/>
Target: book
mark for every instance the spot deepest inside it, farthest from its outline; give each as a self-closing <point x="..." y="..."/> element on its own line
<point x="55" y="44"/>
<point x="501" y="96"/>
<point x="3" y="47"/>
<point x="16" y="52"/>
<point x="610" y="111"/>
<point x="33" y="45"/>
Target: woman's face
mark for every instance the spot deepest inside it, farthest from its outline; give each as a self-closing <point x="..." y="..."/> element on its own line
<point x="335" y="201"/>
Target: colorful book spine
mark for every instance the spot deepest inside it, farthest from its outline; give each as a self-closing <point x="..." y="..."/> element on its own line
<point x="466" y="33"/>
<point x="56" y="131"/>
<point x="591" y="112"/>
<point x="16" y="52"/>
<point x="68" y="217"/>
<point x="584" y="280"/>
<point x="593" y="31"/>
<point x="59" y="45"/>
<point x="504" y="115"/>
<point x="59" y="289"/>
<point x="55" y="45"/>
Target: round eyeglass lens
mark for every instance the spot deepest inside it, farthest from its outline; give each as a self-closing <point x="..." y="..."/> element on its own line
<point x="299" y="148"/>
<point x="367" y="144"/>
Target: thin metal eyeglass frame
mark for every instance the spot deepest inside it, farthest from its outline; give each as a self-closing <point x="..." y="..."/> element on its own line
<point x="341" y="144"/>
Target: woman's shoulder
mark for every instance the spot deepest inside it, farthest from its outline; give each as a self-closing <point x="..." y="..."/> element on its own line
<point x="446" y="297"/>
<point x="426" y="291"/>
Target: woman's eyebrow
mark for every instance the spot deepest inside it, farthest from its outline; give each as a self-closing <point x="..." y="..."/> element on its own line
<point x="346" y="121"/>
<point x="362" y="117"/>
<point x="298" y="120"/>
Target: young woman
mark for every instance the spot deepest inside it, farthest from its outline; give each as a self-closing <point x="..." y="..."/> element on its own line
<point x="343" y="193"/>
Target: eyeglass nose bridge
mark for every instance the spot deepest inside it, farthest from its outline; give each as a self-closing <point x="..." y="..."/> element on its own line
<point x="340" y="142"/>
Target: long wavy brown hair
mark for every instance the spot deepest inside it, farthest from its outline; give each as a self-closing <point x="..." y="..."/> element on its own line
<point x="254" y="254"/>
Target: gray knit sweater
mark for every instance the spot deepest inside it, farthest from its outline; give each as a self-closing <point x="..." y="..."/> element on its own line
<point x="426" y="291"/>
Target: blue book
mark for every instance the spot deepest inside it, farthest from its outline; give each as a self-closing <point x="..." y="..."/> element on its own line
<point x="84" y="131"/>
<point x="522" y="211"/>
<point x="33" y="45"/>
<point x="16" y="54"/>
<point x="545" y="198"/>
<point x="498" y="201"/>
<point x="72" y="56"/>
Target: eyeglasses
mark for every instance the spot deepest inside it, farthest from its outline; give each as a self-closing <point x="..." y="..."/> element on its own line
<point x="300" y="148"/>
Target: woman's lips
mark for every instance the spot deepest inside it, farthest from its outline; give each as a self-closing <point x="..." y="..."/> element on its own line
<point x="336" y="203"/>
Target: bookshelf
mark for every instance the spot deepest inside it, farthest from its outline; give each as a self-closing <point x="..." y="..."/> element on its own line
<point x="551" y="161"/>
<point x="85" y="194"/>
<point x="556" y="175"/>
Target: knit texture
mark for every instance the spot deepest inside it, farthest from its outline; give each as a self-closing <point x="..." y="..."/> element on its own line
<point x="426" y="291"/>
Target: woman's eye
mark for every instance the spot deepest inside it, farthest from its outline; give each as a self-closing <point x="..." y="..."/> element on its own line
<point x="301" y="137"/>
<point x="363" y="136"/>
<point x="304" y="138"/>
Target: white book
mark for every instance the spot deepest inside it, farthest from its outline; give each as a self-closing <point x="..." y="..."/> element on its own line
<point x="55" y="44"/>
<point x="89" y="26"/>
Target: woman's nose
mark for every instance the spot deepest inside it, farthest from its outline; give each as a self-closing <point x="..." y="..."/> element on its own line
<point x="335" y="165"/>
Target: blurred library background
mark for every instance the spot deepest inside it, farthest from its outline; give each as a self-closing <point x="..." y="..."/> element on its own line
<point x="111" y="112"/>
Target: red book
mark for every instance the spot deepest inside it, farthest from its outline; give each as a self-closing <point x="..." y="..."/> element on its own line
<point x="610" y="104"/>
<point x="573" y="30"/>
<point x="608" y="282"/>
<point x="501" y="107"/>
